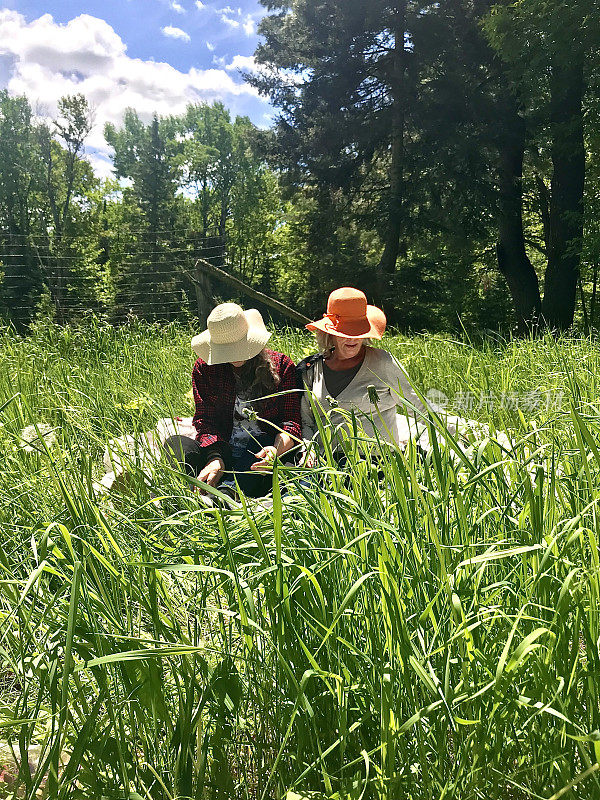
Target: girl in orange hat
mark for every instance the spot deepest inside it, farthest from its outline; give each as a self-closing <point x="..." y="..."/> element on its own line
<point x="359" y="378"/>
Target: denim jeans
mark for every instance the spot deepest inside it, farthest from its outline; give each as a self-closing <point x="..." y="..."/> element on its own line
<point x="188" y="454"/>
<point x="252" y="484"/>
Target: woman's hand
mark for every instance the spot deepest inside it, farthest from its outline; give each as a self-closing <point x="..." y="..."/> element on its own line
<point x="212" y="472"/>
<point x="265" y="458"/>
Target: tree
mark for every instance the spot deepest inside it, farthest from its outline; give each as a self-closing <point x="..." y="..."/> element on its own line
<point x="235" y="199"/>
<point x="149" y="279"/>
<point x="198" y="189"/>
<point x="467" y="96"/>
<point x="548" y="49"/>
<point x="377" y="111"/>
<point x="207" y="160"/>
<point x="20" y="183"/>
<point x="340" y="73"/>
<point x="70" y="255"/>
<point x="591" y="251"/>
<point x="48" y="247"/>
<point x="72" y="127"/>
<point x="434" y="115"/>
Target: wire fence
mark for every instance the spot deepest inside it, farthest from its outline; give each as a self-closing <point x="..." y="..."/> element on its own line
<point x="151" y="275"/>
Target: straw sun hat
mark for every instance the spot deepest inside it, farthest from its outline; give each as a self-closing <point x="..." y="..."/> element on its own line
<point x="232" y="335"/>
<point x="348" y="315"/>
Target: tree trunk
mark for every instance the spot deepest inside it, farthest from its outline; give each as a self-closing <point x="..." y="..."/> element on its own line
<point x="387" y="263"/>
<point x="566" y="204"/>
<point x="513" y="261"/>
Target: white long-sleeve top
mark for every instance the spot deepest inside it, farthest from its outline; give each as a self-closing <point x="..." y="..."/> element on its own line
<point x="383" y="406"/>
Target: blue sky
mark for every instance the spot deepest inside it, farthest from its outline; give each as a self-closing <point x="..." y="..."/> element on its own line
<point x="152" y="55"/>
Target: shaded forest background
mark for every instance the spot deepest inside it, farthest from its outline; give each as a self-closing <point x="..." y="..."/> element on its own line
<point x="444" y="157"/>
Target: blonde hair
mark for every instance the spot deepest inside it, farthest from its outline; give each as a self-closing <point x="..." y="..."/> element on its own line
<point x="326" y="342"/>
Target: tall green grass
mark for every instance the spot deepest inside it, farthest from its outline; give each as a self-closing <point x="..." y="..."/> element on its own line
<point x="422" y="627"/>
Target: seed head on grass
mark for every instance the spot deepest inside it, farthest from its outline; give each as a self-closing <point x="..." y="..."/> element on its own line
<point x="373" y="395"/>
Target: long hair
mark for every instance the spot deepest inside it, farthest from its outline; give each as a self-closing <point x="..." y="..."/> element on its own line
<point x="257" y="375"/>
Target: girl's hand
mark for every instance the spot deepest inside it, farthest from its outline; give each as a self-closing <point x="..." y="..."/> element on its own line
<point x="265" y="458"/>
<point x="212" y="472"/>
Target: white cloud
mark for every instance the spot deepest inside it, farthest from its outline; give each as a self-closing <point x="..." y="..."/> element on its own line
<point x="84" y="44"/>
<point x="233" y="23"/>
<point x="246" y="63"/>
<point x="44" y="61"/>
<point x="233" y="17"/>
<point x="211" y="47"/>
<point x="101" y="165"/>
<point x="228" y="14"/>
<point x="175" y="6"/>
<point x="176" y="33"/>
<point x="200" y="5"/>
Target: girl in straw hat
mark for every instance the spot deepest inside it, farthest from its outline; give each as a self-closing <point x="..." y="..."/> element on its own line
<point x="247" y="403"/>
<point x="358" y="377"/>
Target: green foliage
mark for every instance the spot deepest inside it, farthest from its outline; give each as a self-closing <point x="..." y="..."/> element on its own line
<point x="21" y="180"/>
<point x="144" y="272"/>
<point x="429" y="631"/>
<point x="212" y="196"/>
<point x="441" y="101"/>
<point x="334" y="74"/>
<point x="48" y="234"/>
<point x="549" y="53"/>
<point x="530" y="35"/>
<point x="428" y="139"/>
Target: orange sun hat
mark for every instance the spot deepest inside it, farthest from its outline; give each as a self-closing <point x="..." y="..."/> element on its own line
<point x="348" y="315"/>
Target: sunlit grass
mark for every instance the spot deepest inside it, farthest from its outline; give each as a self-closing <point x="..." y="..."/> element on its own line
<point x="426" y="628"/>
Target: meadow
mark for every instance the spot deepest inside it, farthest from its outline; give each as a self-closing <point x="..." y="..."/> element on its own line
<point x="425" y="630"/>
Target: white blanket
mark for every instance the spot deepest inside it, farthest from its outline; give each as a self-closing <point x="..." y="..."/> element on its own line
<point x="141" y="451"/>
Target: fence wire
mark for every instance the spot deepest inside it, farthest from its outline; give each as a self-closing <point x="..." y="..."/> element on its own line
<point x="151" y="275"/>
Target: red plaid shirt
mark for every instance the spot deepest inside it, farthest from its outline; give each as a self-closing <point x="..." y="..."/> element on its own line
<point x="215" y="392"/>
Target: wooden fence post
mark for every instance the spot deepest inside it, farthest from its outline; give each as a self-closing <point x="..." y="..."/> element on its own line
<point x="204" y="266"/>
